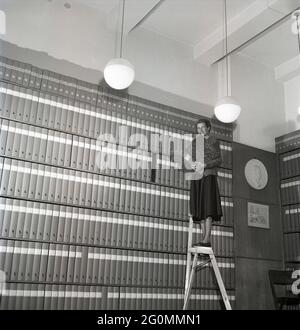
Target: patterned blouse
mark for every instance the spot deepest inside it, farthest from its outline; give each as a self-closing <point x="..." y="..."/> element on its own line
<point x="212" y="155"/>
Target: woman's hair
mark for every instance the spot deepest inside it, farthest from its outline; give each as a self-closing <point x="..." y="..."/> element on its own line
<point x="206" y="121"/>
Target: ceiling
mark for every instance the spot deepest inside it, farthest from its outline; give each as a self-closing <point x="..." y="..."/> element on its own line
<point x="200" y="24"/>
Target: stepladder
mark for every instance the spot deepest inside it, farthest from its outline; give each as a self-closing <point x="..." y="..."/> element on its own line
<point x="206" y="256"/>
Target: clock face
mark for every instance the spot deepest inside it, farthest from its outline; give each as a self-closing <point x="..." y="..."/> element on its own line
<point x="256" y="174"/>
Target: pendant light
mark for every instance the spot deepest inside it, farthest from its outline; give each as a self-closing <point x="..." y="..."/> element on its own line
<point x="296" y="30"/>
<point x="227" y="109"/>
<point x="118" y="72"/>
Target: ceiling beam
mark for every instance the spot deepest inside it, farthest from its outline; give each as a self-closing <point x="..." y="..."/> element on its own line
<point x="136" y="11"/>
<point x="243" y="28"/>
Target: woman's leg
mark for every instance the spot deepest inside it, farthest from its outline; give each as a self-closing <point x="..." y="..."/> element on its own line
<point x="208" y="225"/>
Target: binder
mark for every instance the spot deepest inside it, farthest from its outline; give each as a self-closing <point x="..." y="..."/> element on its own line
<point x="115" y="203"/>
<point x="48" y="209"/>
<point x="113" y="182"/>
<point x="58" y="185"/>
<point x="126" y="268"/>
<point x="108" y="231"/>
<point x="140" y="232"/>
<point x="89" y="266"/>
<point x="69" y="264"/>
<point x="79" y="234"/>
<point x="54" y="223"/>
<point x="120" y="227"/>
<point x="74" y="153"/>
<point x="97" y="232"/>
<point x="86" y="154"/>
<point x="61" y="148"/>
<point x="8" y="102"/>
<point x="103" y="225"/>
<point x="81" y="117"/>
<point x="9" y="189"/>
<point x="77" y="186"/>
<point x="94" y="190"/>
<point x="63" y="185"/>
<point x="43" y="181"/>
<point x="105" y="193"/>
<point x="30" y="143"/>
<point x="140" y="266"/>
<point x="23" y="141"/>
<point x="92" y="157"/>
<point x="13" y="220"/>
<point x="135" y="238"/>
<point x="108" y="259"/>
<point x="22" y="262"/>
<point x="36" y="262"/>
<point x="95" y="261"/>
<point x="113" y="266"/>
<point x="17" y="139"/>
<point x="3" y="135"/>
<point x="83" y="187"/>
<point x="89" y="189"/>
<point x="92" y="227"/>
<point x="101" y="269"/>
<point x="67" y="225"/>
<point x="16" y="254"/>
<point x="115" y="229"/>
<point x="29" y="261"/>
<point x="73" y="224"/>
<point x="71" y="186"/>
<point x="61" y="222"/>
<point x="44" y="262"/>
<point x="79" y="154"/>
<point x="58" y="258"/>
<point x="128" y="197"/>
<point x="14" y="103"/>
<point x="86" y="226"/>
<point x="99" y="187"/>
<point x="10" y="139"/>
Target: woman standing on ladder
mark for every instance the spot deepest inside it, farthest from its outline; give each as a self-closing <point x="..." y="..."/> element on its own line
<point x="205" y="201"/>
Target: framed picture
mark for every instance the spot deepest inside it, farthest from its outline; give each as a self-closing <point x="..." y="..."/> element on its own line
<point x="258" y="215"/>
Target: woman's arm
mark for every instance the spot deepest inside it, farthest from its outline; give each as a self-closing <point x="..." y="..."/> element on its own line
<point x="217" y="158"/>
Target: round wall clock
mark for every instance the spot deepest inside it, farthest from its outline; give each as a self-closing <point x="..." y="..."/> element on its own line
<point x="256" y="174"/>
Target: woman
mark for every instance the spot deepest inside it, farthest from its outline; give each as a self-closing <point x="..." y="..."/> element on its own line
<point x="205" y="201"/>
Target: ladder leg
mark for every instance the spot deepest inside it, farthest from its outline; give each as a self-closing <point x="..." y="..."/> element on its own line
<point x="190" y="280"/>
<point x="188" y="270"/>
<point x="220" y="281"/>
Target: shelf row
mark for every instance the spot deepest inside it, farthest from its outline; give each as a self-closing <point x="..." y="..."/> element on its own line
<point x="30" y="143"/>
<point x="53" y="263"/>
<point x="26" y="220"/>
<point x="20" y="296"/>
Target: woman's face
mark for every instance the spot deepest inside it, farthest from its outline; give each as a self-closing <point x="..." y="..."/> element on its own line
<point x="202" y="129"/>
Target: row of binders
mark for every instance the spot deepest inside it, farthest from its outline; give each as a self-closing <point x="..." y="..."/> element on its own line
<point x="291" y="218"/>
<point x="55" y="148"/>
<point x="290" y="164"/>
<point x="24" y="220"/>
<point x="24" y="261"/>
<point x="292" y="247"/>
<point x="54" y="84"/>
<point x="19" y="296"/>
<point x="123" y="128"/>
<point x="290" y="191"/>
<point x="38" y="182"/>
<point x="171" y="299"/>
<point x="50" y="111"/>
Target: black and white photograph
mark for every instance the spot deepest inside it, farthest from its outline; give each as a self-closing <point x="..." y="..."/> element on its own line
<point x="149" y="157"/>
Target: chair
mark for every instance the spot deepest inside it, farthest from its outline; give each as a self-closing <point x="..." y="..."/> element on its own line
<point x="282" y="279"/>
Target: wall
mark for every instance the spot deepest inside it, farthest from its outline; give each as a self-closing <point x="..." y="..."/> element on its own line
<point x="262" y="100"/>
<point x="257" y="250"/>
<point x="292" y="103"/>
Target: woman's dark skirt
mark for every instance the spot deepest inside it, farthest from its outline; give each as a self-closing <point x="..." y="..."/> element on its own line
<point x="205" y="199"/>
